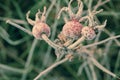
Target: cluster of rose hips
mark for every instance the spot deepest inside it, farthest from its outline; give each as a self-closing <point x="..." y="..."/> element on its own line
<point x="72" y="31"/>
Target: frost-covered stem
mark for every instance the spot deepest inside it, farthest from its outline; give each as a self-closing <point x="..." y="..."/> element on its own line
<point x="19" y="27"/>
<point x="46" y="39"/>
<point x="51" y="67"/>
<point x="97" y="64"/>
<point x="76" y="43"/>
<point x="100" y="42"/>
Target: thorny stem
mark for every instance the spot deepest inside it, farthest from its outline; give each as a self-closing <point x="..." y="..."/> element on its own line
<point x="103" y="41"/>
<point x="51" y="67"/>
<point x="97" y="64"/>
<point x="19" y="27"/>
<point x="76" y="43"/>
<point x="45" y="38"/>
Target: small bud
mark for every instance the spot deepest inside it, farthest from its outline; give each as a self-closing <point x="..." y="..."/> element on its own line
<point x="72" y="29"/>
<point x="88" y="33"/>
<point x="39" y="29"/>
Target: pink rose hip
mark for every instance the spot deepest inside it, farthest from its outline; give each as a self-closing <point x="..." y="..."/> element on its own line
<point x="39" y="29"/>
<point x="72" y="29"/>
<point x="88" y="33"/>
<point x="39" y="25"/>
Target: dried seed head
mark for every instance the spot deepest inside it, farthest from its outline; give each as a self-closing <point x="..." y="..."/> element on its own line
<point x="39" y="29"/>
<point x="88" y="33"/>
<point x="72" y="29"/>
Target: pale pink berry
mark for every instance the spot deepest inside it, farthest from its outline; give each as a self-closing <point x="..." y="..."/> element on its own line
<point x="72" y="29"/>
<point x="88" y="33"/>
<point x="39" y="29"/>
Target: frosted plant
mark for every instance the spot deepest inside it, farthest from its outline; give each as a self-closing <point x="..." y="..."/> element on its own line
<point x="68" y="45"/>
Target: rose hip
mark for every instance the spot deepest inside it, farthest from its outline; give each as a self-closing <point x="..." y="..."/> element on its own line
<point x="72" y="29"/>
<point x="88" y="33"/>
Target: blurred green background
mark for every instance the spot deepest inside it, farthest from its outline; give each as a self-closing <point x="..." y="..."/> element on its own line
<point x="22" y="57"/>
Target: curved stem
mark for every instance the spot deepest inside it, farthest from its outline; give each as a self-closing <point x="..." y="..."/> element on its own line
<point x="100" y="42"/>
<point x="97" y="64"/>
<point x="46" y="39"/>
<point x="50" y="68"/>
<point x="43" y="15"/>
<point x="71" y="14"/>
<point x="37" y="15"/>
<point x="30" y="21"/>
<point x="19" y="27"/>
<point x="100" y="3"/>
<point x="60" y="12"/>
<point x="80" y="9"/>
<point x="76" y="43"/>
<point x="83" y="18"/>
